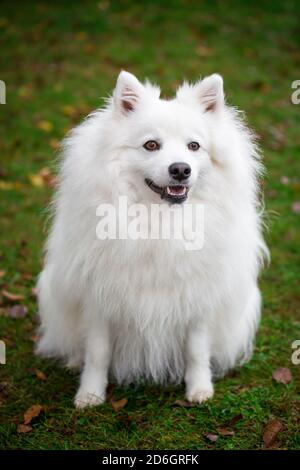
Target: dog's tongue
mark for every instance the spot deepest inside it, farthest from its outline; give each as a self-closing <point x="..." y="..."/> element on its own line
<point x="176" y="190"/>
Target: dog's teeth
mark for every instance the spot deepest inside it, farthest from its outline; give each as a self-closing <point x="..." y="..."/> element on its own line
<point x="176" y="190"/>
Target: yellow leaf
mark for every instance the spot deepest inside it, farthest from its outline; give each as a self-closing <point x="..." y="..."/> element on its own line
<point x="8" y="185"/>
<point x="36" y="180"/>
<point x="45" y="126"/>
<point x="69" y="110"/>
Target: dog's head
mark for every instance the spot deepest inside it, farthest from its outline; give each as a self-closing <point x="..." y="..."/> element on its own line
<point x="164" y="144"/>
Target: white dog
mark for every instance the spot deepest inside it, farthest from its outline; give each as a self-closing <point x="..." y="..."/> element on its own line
<point x="150" y="309"/>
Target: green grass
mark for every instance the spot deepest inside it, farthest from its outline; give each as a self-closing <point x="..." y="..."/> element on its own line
<point x="62" y="54"/>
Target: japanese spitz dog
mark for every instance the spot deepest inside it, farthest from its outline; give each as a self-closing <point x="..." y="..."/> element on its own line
<point x="149" y="308"/>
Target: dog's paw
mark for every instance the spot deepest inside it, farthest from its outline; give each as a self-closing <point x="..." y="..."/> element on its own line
<point x="84" y="399"/>
<point x="199" y="395"/>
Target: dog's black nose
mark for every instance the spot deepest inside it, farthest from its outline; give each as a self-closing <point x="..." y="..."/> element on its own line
<point x="180" y="171"/>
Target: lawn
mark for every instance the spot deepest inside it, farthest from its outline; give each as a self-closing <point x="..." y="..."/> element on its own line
<point x="58" y="59"/>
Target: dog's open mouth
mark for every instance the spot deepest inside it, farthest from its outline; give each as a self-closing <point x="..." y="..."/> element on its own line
<point x="173" y="193"/>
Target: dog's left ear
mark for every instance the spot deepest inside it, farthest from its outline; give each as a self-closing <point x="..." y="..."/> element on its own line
<point x="127" y="93"/>
<point x="210" y="92"/>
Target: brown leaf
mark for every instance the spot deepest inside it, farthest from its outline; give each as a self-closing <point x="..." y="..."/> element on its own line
<point x="296" y="207"/>
<point x="34" y="338"/>
<point x="54" y="144"/>
<point x="272" y="428"/>
<point x="118" y="404"/>
<point x="184" y="403"/>
<point x="285" y="180"/>
<point x="212" y="437"/>
<point x="40" y="375"/>
<point x="34" y="292"/>
<point x="282" y="375"/>
<point x="2" y="274"/>
<point x="27" y="276"/>
<point x="17" y="311"/>
<point x="225" y="432"/>
<point x="23" y="428"/>
<point x="235" y="419"/>
<point x="12" y="297"/>
<point x="31" y="413"/>
<point x="45" y="126"/>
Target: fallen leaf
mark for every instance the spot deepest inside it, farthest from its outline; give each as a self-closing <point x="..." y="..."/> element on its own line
<point x="34" y="292"/>
<point x="235" y="419"/>
<point x="285" y="180"/>
<point x="203" y="51"/>
<point x="282" y="375"/>
<point x="225" y="432"/>
<point x="43" y="178"/>
<point x="12" y="297"/>
<point x="184" y="403"/>
<point x="49" y="179"/>
<point x="25" y="92"/>
<point x="54" y="144"/>
<point x="272" y="428"/>
<point x="31" y="413"/>
<point x="2" y="274"/>
<point x="27" y="276"/>
<point x="45" y="126"/>
<point x="23" y="428"/>
<point x="3" y="312"/>
<point x="241" y="388"/>
<point x="212" y="437"/>
<point x="34" y="338"/>
<point x="36" y="180"/>
<point x="296" y="207"/>
<point x="40" y="375"/>
<point x="8" y="185"/>
<point x="18" y="311"/>
<point x="118" y="404"/>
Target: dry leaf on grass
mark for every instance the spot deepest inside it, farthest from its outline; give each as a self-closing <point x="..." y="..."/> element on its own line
<point x="272" y="428"/>
<point x="40" y="375"/>
<point x="282" y="375"/>
<point x="23" y="428"/>
<point x="45" y="126"/>
<point x="118" y="404"/>
<point x="12" y="297"/>
<point x="34" y="338"/>
<point x="225" y="432"/>
<point x="31" y="413"/>
<point x="17" y="311"/>
<point x="296" y="207"/>
<point x="285" y="180"/>
<point x="2" y="274"/>
<point x="34" y="292"/>
<point x="44" y="178"/>
<point x="184" y="403"/>
<point x="212" y="437"/>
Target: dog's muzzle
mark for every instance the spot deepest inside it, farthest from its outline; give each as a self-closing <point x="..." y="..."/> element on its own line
<point x="175" y="194"/>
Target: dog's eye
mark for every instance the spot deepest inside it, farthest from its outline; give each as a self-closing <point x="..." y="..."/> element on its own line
<point x="151" y="145"/>
<point x="194" y="146"/>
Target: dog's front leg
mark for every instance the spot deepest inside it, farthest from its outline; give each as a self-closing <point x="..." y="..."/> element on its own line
<point x="199" y="387"/>
<point x="93" y="381"/>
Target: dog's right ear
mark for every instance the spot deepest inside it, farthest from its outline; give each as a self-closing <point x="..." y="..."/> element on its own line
<point x="127" y="93"/>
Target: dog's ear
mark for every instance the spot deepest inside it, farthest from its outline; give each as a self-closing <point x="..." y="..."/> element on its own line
<point x="127" y="93"/>
<point x="210" y="92"/>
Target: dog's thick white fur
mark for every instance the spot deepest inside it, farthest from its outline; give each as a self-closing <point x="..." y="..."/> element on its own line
<point x="134" y="309"/>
